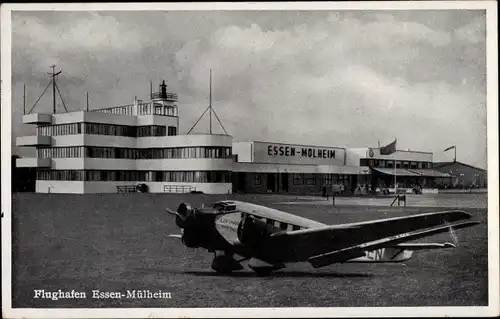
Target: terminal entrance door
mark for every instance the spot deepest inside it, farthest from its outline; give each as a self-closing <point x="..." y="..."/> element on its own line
<point x="242" y="182"/>
<point x="271" y="183"/>
<point x="354" y="182"/>
<point x="284" y="182"/>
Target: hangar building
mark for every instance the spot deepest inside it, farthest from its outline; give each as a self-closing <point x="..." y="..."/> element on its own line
<point x="464" y="175"/>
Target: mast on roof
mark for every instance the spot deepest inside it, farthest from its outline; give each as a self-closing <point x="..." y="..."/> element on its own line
<point x="210" y="109"/>
<point x="53" y="75"/>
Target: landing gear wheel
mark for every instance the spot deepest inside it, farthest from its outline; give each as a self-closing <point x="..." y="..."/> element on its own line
<point x="225" y="264"/>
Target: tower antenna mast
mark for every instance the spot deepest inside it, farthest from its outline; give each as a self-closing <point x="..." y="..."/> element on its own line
<point x="210" y="102"/>
<point x="54" y="74"/>
<point x="24" y="99"/>
<point x="54" y="87"/>
<point x="210" y="109"/>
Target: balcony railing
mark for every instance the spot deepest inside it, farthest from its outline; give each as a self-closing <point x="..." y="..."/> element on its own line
<point x="121" y="110"/>
<point x="169" y="96"/>
<point x="178" y="189"/>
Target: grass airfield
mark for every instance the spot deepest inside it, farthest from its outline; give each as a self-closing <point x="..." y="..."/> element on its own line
<point x="115" y="242"/>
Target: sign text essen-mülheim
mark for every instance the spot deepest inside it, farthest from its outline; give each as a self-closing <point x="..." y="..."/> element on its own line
<point x="304" y="151"/>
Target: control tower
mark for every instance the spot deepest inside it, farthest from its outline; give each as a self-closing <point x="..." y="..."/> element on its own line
<point x="164" y="103"/>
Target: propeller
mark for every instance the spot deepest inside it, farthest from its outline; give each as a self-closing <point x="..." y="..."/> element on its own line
<point x="184" y="216"/>
<point x="193" y="223"/>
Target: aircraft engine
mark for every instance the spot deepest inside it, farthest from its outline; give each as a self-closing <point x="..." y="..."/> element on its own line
<point x="252" y="232"/>
<point x="195" y="223"/>
<point x="185" y="216"/>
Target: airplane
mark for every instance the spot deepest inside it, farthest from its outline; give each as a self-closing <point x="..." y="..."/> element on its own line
<point x="270" y="238"/>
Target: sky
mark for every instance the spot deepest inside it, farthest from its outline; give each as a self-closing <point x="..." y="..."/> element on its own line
<point x="330" y="78"/>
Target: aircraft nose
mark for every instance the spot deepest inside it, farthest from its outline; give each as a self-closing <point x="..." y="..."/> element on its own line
<point x="185" y="215"/>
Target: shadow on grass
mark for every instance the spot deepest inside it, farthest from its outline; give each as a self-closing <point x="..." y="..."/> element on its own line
<point x="278" y="274"/>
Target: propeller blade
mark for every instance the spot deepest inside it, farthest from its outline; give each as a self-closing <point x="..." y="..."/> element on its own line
<point x="185" y="215"/>
<point x="171" y="212"/>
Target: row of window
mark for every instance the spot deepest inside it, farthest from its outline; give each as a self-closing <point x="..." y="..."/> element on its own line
<point x="335" y="179"/>
<point x="390" y="164"/>
<point x="143" y="109"/>
<point x="309" y="179"/>
<point x="304" y="179"/>
<point x="157" y="109"/>
<point x="130" y="153"/>
<point x="136" y="176"/>
<point x="106" y="129"/>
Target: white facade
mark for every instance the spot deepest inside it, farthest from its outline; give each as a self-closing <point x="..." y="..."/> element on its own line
<point x="100" y="150"/>
<point x="104" y="150"/>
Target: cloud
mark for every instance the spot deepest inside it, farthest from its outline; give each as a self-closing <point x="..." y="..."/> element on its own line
<point x="344" y="78"/>
<point x="94" y="32"/>
<point x="474" y="32"/>
<point x="345" y="74"/>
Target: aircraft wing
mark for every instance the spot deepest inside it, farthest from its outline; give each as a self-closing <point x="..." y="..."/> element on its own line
<point x="339" y="243"/>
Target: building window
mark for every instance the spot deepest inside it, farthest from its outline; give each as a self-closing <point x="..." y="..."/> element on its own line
<point x="60" y="152"/>
<point x="297" y="179"/>
<point x="257" y="179"/>
<point x="128" y="153"/>
<point x="59" y="129"/>
<point x="328" y="179"/>
<point x="310" y="179"/>
<point x="172" y="131"/>
<point x="124" y="130"/>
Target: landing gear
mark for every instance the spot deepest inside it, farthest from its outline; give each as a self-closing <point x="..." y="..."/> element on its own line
<point x="225" y="263"/>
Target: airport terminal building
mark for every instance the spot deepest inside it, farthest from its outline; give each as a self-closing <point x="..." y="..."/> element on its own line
<point x="262" y="167"/>
<point x="116" y="148"/>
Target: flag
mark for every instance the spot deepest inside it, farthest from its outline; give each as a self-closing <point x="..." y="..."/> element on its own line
<point x="388" y="149"/>
<point x="449" y="148"/>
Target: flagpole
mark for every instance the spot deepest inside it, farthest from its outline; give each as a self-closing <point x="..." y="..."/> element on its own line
<point x="455" y="149"/>
<point x="395" y="174"/>
<point x="395" y="179"/>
